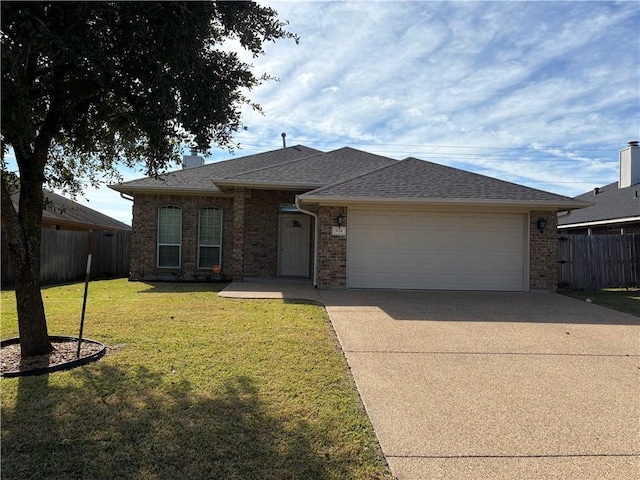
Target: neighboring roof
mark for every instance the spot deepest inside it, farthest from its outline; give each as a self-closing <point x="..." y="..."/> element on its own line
<point x="310" y="172"/>
<point x="68" y="212"/>
<point x="198" y="179"/>
<point x="419" y="181"/>
<point x="609" y="204"/>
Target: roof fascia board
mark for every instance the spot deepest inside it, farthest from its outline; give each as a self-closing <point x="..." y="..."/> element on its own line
<point x="336" y="201"/>
<point x="600" y="222"/>
<point x="167" y="191"/>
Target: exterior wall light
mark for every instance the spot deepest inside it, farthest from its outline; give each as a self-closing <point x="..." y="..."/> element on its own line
<point x="340" y="220"/>
<point x="541" y="224"/>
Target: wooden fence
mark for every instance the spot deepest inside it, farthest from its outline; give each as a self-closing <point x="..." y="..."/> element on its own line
<point x="592" y="262"/>
<point x="63" y="256"/>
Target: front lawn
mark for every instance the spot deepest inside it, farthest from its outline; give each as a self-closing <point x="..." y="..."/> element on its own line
<point x="194" y="387"/>
<point x="624" y="300"/>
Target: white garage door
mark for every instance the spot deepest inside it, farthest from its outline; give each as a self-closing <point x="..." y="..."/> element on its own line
<point x="427" y="250"/>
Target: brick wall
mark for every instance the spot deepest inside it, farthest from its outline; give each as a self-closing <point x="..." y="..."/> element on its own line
<point x="249" y="236"/>
<point x="543" y="248"/>
<point x="262" y="211"/>
<point x="145" y="230"/>
<point x="332" y="250"/>
<point x="239" y="208"/>
<point x="260" y="237"/>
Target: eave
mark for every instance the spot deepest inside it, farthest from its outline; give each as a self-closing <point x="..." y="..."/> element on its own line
<point x="457" y="202"/>
<point x="600" y="222"/>
<point x="168" y="191"/>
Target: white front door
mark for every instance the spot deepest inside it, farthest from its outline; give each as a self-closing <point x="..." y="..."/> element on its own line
<point x="293" y="258"/>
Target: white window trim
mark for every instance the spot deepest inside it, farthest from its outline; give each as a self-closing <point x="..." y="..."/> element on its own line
<point x="207" y="245"/>
<point x="158" y="244"/>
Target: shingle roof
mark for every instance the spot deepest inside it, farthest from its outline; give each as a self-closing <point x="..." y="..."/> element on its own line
<point x="199" y="178"/>
<point x="610" y="203"/>
<point x="64" y="210"/>
<point x="314" y="171"/>
<point x="419" y="180"/>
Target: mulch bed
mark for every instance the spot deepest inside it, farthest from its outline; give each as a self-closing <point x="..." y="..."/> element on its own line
<point x="65" y="351"/>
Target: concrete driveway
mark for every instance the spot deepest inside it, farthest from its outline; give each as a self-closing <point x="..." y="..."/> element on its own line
<point x="479" y="385"/>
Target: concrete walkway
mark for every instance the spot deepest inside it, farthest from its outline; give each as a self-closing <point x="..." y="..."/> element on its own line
<point x="483" y="385"/>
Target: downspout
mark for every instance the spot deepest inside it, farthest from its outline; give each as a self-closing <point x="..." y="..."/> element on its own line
<point x="126" y="197"/>
<point x="315" y="240"/>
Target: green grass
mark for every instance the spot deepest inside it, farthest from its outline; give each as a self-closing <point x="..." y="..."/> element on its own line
<point x="195" y="387"/>
<point x="623" y="300"/>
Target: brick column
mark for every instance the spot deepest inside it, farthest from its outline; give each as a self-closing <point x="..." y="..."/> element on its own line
<point x="238" y="234"/>
<point x="332" y="251"/>
<point x="543" y="269"/>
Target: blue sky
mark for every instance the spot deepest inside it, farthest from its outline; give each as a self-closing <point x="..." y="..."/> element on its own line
<point x="539" y="93"/>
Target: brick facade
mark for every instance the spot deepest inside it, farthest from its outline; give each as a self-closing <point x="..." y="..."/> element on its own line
<point x="239" y="204"/>
<point x="332" y="250"/>
<point x="249" y="235"/>
<point x="262" y="214"/>
<point x="145" y="231"/>
<point x="250" y="240"/>
<point x="543" y="252"/>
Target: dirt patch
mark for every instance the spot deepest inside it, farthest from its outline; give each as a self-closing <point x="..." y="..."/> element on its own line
<point x="64" y="351"/>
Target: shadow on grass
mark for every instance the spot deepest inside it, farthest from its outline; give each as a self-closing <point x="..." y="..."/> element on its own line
<point x="186" y="287"/>
<point x="106" y="423"/>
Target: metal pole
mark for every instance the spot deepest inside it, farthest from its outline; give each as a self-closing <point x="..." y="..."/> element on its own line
<point x="86" y="289"/>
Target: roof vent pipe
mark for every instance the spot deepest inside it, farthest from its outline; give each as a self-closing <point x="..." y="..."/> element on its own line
<point x="284" y="142"/>
<point x="596" y="190"/>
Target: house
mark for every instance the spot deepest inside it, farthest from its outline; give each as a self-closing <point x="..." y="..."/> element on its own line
<point x="346" y="219"/>
<point x="60" y="213"/>
<point x="615" y="207"/>
<point x="64" y="243"/>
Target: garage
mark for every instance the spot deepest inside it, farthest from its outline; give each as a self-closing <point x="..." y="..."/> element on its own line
<point x="436" y="250"/>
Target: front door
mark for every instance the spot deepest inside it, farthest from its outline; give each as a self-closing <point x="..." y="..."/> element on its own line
<point x="293" y="258"/>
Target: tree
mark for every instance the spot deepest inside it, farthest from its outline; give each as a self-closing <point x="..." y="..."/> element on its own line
<point x="89" y="86"/>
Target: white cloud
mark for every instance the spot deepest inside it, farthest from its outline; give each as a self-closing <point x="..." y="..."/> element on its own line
<point x="541" y="93"/>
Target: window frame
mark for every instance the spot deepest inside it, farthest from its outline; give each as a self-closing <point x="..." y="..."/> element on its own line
<point x="159" y="244"/>
<point x="206" y="245"/>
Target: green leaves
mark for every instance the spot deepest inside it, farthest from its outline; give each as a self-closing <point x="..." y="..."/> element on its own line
<point x="125" y="82"/>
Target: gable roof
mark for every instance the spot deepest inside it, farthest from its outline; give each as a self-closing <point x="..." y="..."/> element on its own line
<point x="198" y="179"/>
<point x="310" y="172"/>
<point x="610" y="203"/>
<point x="418" y="181"/>
<point x="64" y="211"/>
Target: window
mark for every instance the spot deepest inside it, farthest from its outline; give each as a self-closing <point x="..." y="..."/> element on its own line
<point x="209" y="237"/>
<point x="169" y="236"/>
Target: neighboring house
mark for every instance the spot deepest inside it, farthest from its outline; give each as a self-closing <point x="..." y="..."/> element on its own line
<point x="60" y="213"/>
<point x="615" y="207"/>
<point x="65" y="243"/>
<point x="344" y="218"/>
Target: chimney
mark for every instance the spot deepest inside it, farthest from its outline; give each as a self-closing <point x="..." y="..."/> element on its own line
<point x="193" y="160"/>
<point x="629" y="165"/>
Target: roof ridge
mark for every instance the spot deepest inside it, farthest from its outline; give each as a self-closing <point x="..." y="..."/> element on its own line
<point x="368" y="172"/>
<point x="287" y="162"/>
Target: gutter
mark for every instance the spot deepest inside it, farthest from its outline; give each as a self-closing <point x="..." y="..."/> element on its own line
<point x="351" y="200"/>
<point x="600" y="222"/>
<point x="315" y="240"/>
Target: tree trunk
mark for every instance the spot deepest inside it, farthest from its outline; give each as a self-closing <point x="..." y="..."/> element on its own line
<point x="32" y="323"/>
<point x="24" y="236"/>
